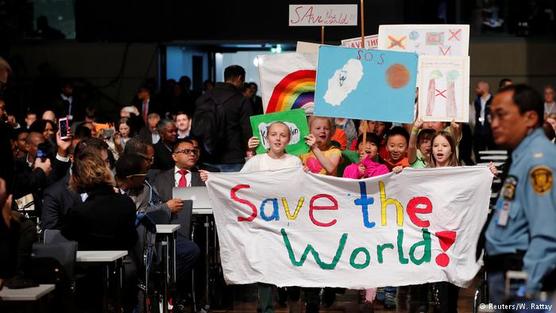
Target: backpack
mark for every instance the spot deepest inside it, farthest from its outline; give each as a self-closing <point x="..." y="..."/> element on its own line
<point x="209" y="124"/>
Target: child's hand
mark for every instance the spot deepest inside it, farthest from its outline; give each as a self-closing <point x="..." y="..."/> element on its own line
<point x="310" y="140"/>
<point x="455" y="126"/>
<point x="418" y="123"/>
<point x="397" y="169"/>
<point x="493" y="169"/>
<point x="204" y="175"/>
<point x="253" y="143"/>
<point x="361" y="169"/>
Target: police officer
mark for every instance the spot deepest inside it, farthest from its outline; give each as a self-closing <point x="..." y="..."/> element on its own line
<point x="522" y="233"/>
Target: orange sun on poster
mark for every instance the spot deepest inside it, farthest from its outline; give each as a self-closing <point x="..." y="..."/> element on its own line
<point x="397" y="76"/>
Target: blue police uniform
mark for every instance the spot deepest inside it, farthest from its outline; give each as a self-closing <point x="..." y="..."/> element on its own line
<point x="525" y="216"/>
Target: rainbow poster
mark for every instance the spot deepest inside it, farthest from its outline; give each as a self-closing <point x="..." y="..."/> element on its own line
<point x="288" y="81"/>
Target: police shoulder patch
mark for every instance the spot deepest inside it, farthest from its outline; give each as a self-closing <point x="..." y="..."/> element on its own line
<point x="541" y="179"/>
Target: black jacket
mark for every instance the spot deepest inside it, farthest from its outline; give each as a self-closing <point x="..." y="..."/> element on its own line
<point x="238" y="109"/>
<point x="28" y="180"/>
<point x="58" y="199"/>
<point x="162" y="157"/>
<point x="105" y="221"/>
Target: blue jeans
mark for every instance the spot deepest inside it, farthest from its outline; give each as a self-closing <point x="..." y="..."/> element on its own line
<point x="233" y="167"/>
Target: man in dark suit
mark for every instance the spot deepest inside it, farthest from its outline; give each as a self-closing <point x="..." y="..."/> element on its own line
<point x="58" y="198"/>
<point x="146" y="104"/>
<point x="184" y="174"/>
<point x="482" y="135"/>
<point x="163" y="149"/>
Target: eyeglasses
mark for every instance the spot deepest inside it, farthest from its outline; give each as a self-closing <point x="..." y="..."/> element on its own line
<point x="188" y="151"/>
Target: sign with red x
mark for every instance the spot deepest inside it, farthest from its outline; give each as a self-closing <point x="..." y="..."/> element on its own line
<point x="438" y="40"/>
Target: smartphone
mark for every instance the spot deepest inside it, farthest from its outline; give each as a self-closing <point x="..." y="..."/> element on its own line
<point x="41" y="154"/>
<point x="63" y="125"/>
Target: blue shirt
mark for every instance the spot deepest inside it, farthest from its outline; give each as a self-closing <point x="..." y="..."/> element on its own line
<point x="531" y="222"/>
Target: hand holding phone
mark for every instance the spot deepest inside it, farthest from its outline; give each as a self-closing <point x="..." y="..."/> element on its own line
<point x="63" y="126"/>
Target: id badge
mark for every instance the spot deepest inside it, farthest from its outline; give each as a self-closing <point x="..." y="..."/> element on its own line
<point x="504" y="214"/>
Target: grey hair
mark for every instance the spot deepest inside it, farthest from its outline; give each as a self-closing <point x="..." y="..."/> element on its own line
<point x="163" y="123"/>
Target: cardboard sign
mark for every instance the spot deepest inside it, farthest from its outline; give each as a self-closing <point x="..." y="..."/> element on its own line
<point x="366" y="84"/>
<point x="296" y="121"/>
<point x="371" y="42"/>
<point x="323" y="15"/>
<point x="439" y="40"/>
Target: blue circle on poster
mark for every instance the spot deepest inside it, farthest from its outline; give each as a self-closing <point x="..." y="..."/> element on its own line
<point x="413" y="35"/>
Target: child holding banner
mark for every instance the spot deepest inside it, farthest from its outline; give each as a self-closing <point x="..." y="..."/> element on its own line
<point x="396" y="144"/>
<point x="367" y="167"/>
<point x="323" y="157"/>
<point x="278" y="136"/>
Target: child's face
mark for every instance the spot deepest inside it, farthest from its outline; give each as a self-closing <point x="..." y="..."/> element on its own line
<point x="441" y="150"/>
<point x="278" y="137"/>
<point x="425" y="146"/>
<point x="380" y="128"/>
<point x="320" y="128"/>
<point x="368" y="149"/>
<point x="124" y="130"/>
<point x="396" y="147"/>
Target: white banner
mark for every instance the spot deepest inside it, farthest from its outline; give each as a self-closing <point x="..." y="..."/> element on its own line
<point x="323" y="15"/>
<point x="290" y="228"/>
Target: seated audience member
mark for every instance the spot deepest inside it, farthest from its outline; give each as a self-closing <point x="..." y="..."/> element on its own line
<point x="163" y="149"/>
<point x="367" y="165"/>
<point x="131" y="170"/>
<point x="17" y="235"/>
<point x="30" y="118"/>
<point x="184" y="174"/>
<point x="106" y="219"/>
<point x="18" y="144"/>
<point x="31" y="173"/>
<point x="47" y="128"/>
<point x="49" y="116"/>
<point x="396" y="144"/>
<point x="149" y="134"/>
<point x="59" y="198"/>
<point x="124" y="132"/>
<point x="183" y="123"/>
<point x="549" y="102"/>
<point x="146" y="151"/>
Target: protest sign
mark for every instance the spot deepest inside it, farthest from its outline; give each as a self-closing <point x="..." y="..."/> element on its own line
<point x="439" y="40"/>
<point x="366" y="84"/>
<point x="444" y="88"/>
<point x="292" y="228"/>
<point x="371" y="42"/>
<point x="297" y="123"/>
<point x="287" y="81"/>
<point x="323" y="15"/>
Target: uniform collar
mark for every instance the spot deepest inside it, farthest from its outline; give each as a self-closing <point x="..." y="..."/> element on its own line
<point x="523" y="146"/>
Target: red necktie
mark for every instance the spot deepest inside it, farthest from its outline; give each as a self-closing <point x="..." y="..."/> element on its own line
<point x="183" y="181"/>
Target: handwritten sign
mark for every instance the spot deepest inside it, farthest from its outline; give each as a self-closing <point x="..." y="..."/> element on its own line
<point x="290" y="228"/>
<point x="294" y="119"/>
<point x="371" y="42"/>
<point x="323" y="15"/>
<point x="366" y="84"/>
<point x="439" y="40"/>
